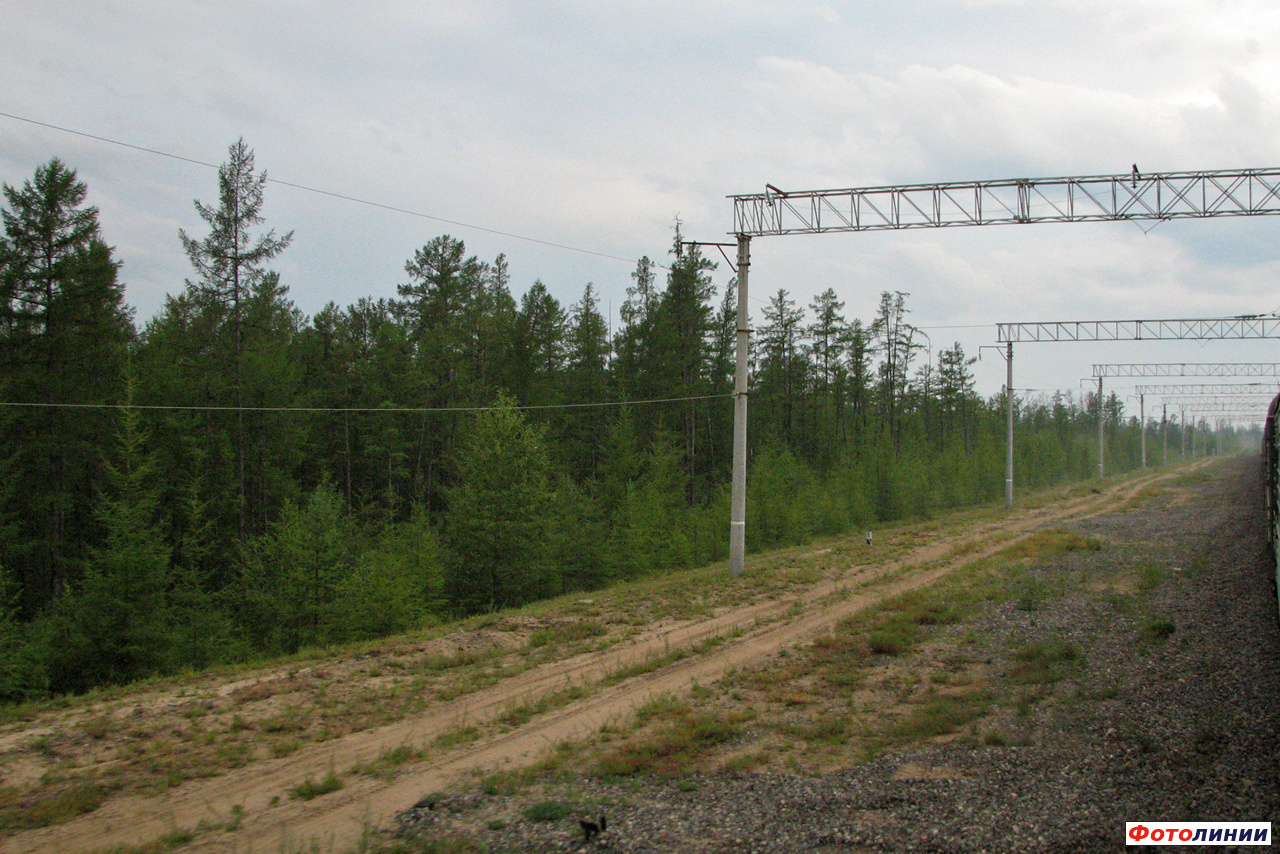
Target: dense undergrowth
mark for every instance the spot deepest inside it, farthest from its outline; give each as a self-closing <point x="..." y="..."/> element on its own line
<point x="804" y="698"/>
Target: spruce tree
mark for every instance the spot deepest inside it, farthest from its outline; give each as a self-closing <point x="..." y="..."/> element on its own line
<point x="586" y="380"/>
<point x="114" y="625"/>
<point x="22" y="674"/>
<point x="682" y="336"/>
<point x="64" y="334"/>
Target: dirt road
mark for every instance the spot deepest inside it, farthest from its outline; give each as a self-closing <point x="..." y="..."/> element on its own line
<point x="665" y="658"/>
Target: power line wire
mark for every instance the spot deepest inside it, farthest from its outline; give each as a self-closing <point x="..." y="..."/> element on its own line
<point x="390" y="409"/>
<point x="329" y="193"/>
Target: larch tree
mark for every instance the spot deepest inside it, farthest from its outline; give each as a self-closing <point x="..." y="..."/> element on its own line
<point x="825" y="334"/>
<point x="539" y="346"/>
<point x="500" y="514"/>
<point x="896" y="343"/>
<point x="826" y="350"/>
<point x="859" y="348"/>
<point x="956" y="394"/>
<point x="229" y="264"/>
<point x="783" y="367"/>
<point x="632" y="343"/>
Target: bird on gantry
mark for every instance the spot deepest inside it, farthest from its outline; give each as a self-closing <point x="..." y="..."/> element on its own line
<point x="1136" y="176"/>
<point x="590" y="829"/>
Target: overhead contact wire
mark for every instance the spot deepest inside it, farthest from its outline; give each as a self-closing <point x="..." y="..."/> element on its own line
<point x="329" y="193"/>
<point x="417" y="410"/>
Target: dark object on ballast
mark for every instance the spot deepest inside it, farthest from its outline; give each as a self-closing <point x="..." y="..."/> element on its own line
<point x="590" y="829"/>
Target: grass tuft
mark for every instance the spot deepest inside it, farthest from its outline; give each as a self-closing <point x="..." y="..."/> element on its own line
<point x="675" y="749"/>
<point x="1150" y="576"/>
<point x="456" y="735"/>
<point x="894" y="639"/>
<point x="940" y="715"/>
<point x="171" y="841"/>
<point x="1052" y="541"/>
<point x="501" y="784"/>
<point x="736" y="766"/>
<point x="389" y="761"/>
<point x="566" y="633"/>
<point x="311" y="789"/>
<point x="830" y="730"/>
<point x="1043" y="663"/>
<point x="22" y="811"/>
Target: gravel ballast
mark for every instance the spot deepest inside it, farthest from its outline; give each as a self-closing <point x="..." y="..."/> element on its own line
<point x="1173" y="715"/>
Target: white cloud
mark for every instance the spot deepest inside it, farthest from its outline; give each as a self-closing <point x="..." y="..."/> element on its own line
<point x="593" y="124"/>
<point x="955" y="123"/>
<point x="828" y="14"/>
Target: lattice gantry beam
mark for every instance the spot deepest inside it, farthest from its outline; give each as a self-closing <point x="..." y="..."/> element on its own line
<point x="1221" y="418"/>
<point x="1243" y="403"/>
<point x="1131" y="196"/>
<point x="1185" y="369"/>
<point x="1222" y="389"/>
<point x="1228" y="408"/>
<point x="1249" y="326"/>
<point x="1225" y="417"/>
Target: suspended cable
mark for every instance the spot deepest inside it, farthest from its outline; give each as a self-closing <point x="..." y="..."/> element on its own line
<point x="421" y="410"/>
<point x="329" y="193"/>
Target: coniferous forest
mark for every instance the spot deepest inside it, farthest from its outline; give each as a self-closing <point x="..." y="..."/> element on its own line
<point x="232" y="479"/>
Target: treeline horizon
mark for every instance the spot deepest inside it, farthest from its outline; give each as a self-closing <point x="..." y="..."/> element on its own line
<point x="166" y="503"/>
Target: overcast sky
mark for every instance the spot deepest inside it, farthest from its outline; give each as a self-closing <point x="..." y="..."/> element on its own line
<point x="596" y="124"/>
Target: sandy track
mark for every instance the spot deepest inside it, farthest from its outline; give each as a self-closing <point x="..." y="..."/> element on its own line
<point x="335" y="821"/>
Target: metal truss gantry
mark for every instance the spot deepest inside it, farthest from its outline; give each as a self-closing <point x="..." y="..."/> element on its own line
<point x="1220" y="412"/>
<point x="1221" y="401"/>
<point x="1226" y="389"/>
<point x="1232" y="401"/>
<point x="1100" y="198"/>
<point x="1186" y="329"/>
<point x="1189" y="369"/>
<point x="1247" y="326"/>
<point x="1194" y="405"/>
<point x="1195" y="412"/>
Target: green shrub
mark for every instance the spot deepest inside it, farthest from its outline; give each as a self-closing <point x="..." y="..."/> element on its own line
<point x="1159" y="628"/>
